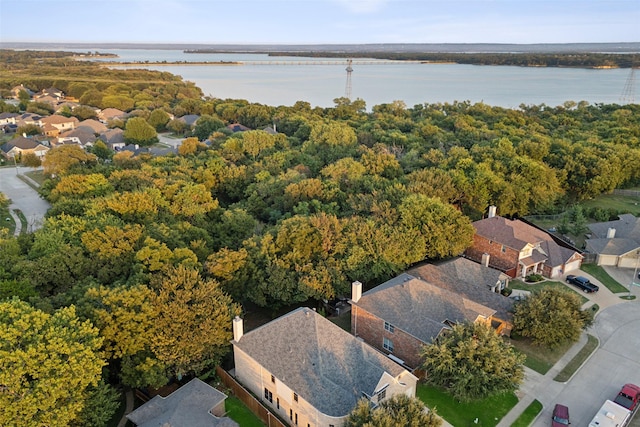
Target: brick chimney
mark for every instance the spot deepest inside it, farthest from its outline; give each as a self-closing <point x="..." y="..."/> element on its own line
<point x="492" y="211"/>
<point x="356" y="291"/>
<point x="238" y="328"/>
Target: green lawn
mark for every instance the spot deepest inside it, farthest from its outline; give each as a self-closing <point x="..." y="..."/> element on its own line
<point x="534" y="287"/>
<point x="240" y="413"/>
<point x="526" y="418"/>
<point x="539" y="358"/>
<point x="37" y="176"/>
<point x="6" y="221"/>
<point x="459" y="414"/>
<point x="599" y="273"/>
<point x="578" y="359"/>
<point x="344" y="321"/>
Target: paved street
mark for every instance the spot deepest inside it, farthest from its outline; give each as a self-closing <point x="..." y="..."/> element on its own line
<point x="614" y="363"/>
<point x="23" y="197"/>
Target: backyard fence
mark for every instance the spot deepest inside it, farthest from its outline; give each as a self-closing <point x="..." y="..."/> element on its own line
<point x="249" y="400"/>
<point x="633" y="193"/>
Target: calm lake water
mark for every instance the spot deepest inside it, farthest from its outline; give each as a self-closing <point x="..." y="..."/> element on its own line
<point x="380" y="83"/>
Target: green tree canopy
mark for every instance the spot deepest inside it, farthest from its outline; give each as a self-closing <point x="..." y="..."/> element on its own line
<point x="473" y="362"/>
<point x="138" y="131"/>
<point x="551" y="317"/>
<point x="47" y="361"/>
<point x="398" y="411"/>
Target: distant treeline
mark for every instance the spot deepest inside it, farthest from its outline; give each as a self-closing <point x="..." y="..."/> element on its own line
<point x="580" y="60"/>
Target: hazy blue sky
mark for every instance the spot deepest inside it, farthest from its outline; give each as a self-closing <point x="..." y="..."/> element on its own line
<point x="320" y="21"/>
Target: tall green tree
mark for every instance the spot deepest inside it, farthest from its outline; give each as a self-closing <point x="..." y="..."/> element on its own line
<point x="551" y="317"/>
<point x="47" y="362"/>
<point x="138" y="131"/>
<point x="473" y="362"/>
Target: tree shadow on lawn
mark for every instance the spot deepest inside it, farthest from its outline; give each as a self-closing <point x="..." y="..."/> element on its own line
<point x="487" y="411"/>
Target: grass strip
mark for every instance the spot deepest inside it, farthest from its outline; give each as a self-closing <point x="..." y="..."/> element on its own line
<point x="574" y="364"/>
<point x="604" y="278"/>
<point x="23" y="220"/>
<point x="528" y="415"/>
<point x="238" y="412"/>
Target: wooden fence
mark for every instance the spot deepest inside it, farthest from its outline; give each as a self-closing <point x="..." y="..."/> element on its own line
<point x="249" y="400"/>
<point x="633" y="193"/>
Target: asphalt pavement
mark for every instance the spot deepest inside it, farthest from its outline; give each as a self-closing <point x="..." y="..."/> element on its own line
<point x="23" y="197"/>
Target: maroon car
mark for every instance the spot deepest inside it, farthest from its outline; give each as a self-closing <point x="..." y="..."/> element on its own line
<point x="560" y="416"/>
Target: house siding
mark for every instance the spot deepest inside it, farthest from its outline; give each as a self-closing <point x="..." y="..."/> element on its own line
<point x="371" y="329"/>
<point x="255" y="378"/>
<point x="506" y="261"/>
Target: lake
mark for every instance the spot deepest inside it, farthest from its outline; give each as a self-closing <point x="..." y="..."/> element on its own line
<point x="378" y="81"/>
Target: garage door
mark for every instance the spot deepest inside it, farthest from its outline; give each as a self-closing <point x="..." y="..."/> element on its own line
<point x="573" y="265"/>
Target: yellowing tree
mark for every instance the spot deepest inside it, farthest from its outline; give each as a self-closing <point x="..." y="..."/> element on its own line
<point x="193" y="322"/>
<point x="59" y="160"/>
<point x="46" y="364"/>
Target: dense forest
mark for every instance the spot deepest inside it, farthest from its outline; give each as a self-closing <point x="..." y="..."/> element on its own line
<point x="149" y="257"/>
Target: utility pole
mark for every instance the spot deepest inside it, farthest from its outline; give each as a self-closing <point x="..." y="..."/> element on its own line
<point x="347" y="89"/>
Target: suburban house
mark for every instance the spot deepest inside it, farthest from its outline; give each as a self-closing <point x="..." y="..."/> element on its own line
<point x="15" y="92"/>
<point x="19" y="146"/>
<point x="28" y="119"/>
<point x="96" y="126"/>
<point x="8" y="118"/>
<point x="520" y="249"/>
<point x="616" y="243"/>
<point x="195" y="404"/>
<point x="189" y="119"/>
<point x="82" y="136"/>
<point x="114" y="138"/>
<point x="476" y="282"/>
<point x="311" y="372"/>
<point x="407" y="312"/>
<point x="110" y="114"/>
<point x="57" y="123"/>
<point x="237" y="127"/>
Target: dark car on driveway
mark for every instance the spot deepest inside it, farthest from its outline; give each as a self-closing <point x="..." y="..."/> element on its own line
<point x="560" y="416"/>
<point x="582" y="283"/>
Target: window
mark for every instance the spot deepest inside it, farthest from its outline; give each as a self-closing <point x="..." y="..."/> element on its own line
<point x="295" y="397"/>
<point x="387" y="344"/>
<point x="382" y="395"/>
<point x="268" y="395"/>
<point x="273" y="379"/>
<point x="389" y="327"/>
<point x="291" y="414"/>
<point x="278" y="403"/>
<point x="296" y="421"/>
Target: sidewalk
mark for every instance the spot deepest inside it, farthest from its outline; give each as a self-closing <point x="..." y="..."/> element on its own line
<point x="541" y="387"/>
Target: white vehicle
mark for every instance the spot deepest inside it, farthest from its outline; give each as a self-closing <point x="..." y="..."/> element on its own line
<point x="611" y="415"/>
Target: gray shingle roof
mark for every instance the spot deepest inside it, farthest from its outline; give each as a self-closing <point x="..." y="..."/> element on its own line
<point x="188" y="406"/>
<point x="420" y="308"/>
<point x="322" y="363"/>
<point x="469" y="279"/>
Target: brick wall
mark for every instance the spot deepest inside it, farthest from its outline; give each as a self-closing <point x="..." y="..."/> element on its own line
<point x="505" y="261"/>
<point x="371" y="329"/>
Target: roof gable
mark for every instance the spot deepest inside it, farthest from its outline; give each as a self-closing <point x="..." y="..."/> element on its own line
<point x="419" y="307"/>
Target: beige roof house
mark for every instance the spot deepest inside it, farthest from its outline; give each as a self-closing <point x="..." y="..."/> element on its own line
<point x="616" y="243"/>
<point x="311" y="372"/>
<point x="59" y="122"/>
<point x="21" y="145"/>
<point x="110" y="114"/>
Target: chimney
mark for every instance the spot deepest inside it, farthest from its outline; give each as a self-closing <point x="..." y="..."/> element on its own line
<point x="611" y="233"/>
<point x="237" y="328"/>
<point x="356" y="291"/>
<point x="485" y="259"/>
<point x="492" y="211"/>
<point x="274" y="127"/>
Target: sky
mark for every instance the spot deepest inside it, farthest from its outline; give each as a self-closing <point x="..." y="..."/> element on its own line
<point x="320" y="21"/>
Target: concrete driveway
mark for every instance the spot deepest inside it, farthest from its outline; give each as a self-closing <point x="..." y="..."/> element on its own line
<point x="23" y="197"/>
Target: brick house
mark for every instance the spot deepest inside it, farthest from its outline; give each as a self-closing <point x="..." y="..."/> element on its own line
<point x="311" y="372"/>
<point x="520" y="249"/>
<point x="405" y="313"/>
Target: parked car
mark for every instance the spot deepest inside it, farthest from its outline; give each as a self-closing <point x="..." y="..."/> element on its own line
<point x="582" y="283"/>
<point x="560" y="416"/>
